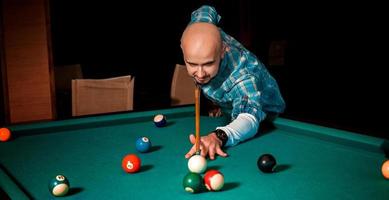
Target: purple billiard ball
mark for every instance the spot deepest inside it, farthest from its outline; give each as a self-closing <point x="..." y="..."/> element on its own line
<point x="160" y="120"/>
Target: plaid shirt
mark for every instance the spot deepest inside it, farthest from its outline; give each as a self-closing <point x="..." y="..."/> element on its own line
<point x="243" y="84"/>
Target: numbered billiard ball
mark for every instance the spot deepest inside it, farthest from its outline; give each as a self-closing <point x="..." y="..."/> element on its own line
<point x="143" y="144"/>
<point x="266" y="163"/>
<point x="160" y="120"/>
<point x="192" y="182"/>
<point x="5" y="134"/>
<point x="213" y="180"/>
<point x="385" y="169"/>
<point x="197" y="164"/>
<point x="59" y="186"/>
<point x="131" y="163"/>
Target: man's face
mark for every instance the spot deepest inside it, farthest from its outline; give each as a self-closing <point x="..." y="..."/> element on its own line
<point x="203" y="64"/>
<point x="203" y="69"/>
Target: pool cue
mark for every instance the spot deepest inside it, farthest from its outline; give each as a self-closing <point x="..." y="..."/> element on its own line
<point x="197" y="105"/>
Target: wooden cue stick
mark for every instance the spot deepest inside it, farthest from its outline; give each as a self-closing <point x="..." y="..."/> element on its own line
<point x="197" y="105"/>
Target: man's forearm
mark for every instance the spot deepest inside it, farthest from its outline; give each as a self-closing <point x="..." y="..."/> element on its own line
<point x="242" y="128"/>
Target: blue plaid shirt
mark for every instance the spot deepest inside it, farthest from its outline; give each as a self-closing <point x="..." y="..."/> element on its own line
<point x="243" y="84"/>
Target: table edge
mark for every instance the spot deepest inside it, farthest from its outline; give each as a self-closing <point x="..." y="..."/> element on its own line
<point x="366" y="142"/>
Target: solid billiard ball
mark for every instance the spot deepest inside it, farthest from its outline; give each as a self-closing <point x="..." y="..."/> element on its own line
<point x="160" y="120"/>
<point x="214" y="180"/>
<point x="385" y="169"/>
<point x="266" y="163"/>
<point x="59" y="186"/>
<point x="143" y="144"/>
<point x="197" y="164"/>
<point x="5" y="134"/>
<point x="192" y="182"/>
<point x="131" y="163"/>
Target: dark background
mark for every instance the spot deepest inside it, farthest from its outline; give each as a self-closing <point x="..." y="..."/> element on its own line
<point x="334" y="63"/>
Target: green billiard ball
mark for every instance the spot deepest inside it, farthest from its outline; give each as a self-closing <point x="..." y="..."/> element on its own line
<point x="192" y="182"/>
<point x="59" y="186"/>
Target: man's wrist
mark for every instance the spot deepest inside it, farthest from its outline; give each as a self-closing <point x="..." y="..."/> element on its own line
<point x="222" y="136"/>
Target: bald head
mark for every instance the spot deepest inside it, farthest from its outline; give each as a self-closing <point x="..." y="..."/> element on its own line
<point x="203" y="50"/>
<point x="201" y="36"/>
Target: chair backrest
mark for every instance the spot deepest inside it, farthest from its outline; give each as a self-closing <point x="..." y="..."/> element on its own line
<point x="182" y="88"/>
<point x="96" y="96"/>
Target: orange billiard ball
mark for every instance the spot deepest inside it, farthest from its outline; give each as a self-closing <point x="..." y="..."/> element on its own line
<point x="131" y="163"/>
<point x="385" y="169"/>
<point x="5" y="134"/>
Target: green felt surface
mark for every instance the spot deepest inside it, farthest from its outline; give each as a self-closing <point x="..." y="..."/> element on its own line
<point x="313" y="162"/>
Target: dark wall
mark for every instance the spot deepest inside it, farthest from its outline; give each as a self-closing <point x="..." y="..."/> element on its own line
<point x="2" y="111"/>
<point x="2" y="94"/>
<point x="332" y="75"/>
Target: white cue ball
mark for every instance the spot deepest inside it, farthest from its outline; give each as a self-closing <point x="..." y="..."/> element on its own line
<point x="197" y="164"/>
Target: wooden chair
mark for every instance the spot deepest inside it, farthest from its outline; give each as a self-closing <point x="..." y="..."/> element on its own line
<point x="182" y="88"/>
<point x="96" y="96"/>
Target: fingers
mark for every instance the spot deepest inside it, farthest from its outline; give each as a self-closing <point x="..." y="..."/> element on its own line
<point x="215" y="112"/>
<point x="218" y="113"/>
<point x="208" y="148"/>
<point x="215" y="150"/>
<point x="191" y="152"/>
<point x="211" y="152"/>
<point x="192" y="139"/>
<point x="221" y="153"/>
<point x="204" y="151"/>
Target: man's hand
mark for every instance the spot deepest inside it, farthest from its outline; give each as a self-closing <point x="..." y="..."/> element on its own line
<point x="214" y="110"/>
<point x="209" y="145"/>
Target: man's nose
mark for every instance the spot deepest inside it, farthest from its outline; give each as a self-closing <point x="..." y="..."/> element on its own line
<point x="200" y="72"/>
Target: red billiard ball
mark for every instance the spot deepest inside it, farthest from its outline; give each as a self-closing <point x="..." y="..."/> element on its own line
<point x="5" y="134"/>
<point x="385" y="169"/>
<point x="213" y="180"/>
<point x="131" y="163"/>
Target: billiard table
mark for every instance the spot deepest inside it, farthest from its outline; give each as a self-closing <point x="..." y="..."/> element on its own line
<point x="313" y="162"/>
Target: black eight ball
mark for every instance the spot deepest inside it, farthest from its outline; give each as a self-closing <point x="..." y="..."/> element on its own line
<point x="266" y="163"/>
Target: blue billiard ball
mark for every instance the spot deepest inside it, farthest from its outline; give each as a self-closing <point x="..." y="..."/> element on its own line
<point x="143" y="144"/>
<point x="59" y="186"/>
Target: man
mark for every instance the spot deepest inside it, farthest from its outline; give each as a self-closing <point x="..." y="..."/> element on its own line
<point x="231" y="77"/>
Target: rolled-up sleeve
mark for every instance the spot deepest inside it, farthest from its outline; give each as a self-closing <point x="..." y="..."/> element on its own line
<point x="205" y="14"/>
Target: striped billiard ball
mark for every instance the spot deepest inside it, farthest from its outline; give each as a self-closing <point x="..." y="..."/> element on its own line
<point x="59" y="186"/>
<point x="192" y="182"/>
<point x="213" y="180"/>
<point x="160" y="120"/>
